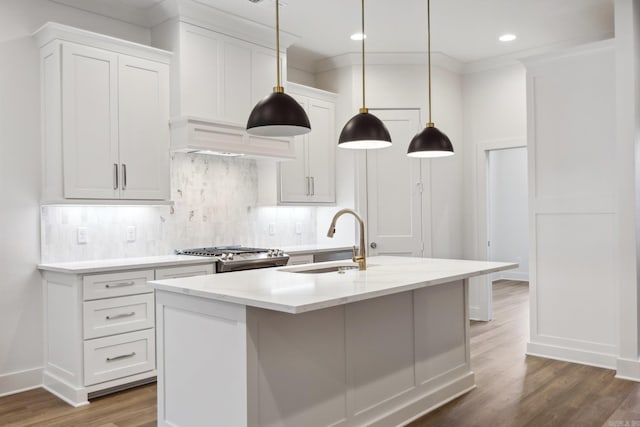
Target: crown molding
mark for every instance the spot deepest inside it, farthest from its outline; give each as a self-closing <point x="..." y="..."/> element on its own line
<point x="197" y="13"/>
<point x="540" y="54"/>
<point x="52" y="31"/>
<point x="410" y="58"/>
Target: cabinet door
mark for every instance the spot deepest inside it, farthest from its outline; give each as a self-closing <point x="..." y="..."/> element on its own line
<point x="263" y="73"/>
<point x="321" y="148"/>
<point x="236" y="98"/>
<point x="89" y="122"/>
<point x="201" y="82"/>
<point x="144" y="129"/>
<point x="293" y="177"/>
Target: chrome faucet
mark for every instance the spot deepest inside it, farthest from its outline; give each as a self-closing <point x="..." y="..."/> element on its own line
<point x="362" y="258"/>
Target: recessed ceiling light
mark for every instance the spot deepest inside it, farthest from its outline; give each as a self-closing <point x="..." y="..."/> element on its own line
<point x="507" y="37"/>
<point x="358" y="36"/>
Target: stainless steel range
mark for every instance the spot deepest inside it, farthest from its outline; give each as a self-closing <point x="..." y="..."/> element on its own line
<point x="236" y="257"/>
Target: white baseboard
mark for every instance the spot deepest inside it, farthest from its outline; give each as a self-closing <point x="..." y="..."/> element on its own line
<point x="475" y="313"/>
<point x="566" y="354"/>
<point x="74" y="396"/>
<point x="628" y="369"/>
<point x="519" y="276"/>
<point x="16" y="382"/>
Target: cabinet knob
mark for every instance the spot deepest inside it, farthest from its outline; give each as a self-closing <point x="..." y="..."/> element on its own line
<point x="373" y="245"/>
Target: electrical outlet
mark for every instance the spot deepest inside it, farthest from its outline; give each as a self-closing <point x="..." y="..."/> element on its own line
<point x="298" y="228"/>
<point x="82" y="235"/>
<point x="131" y="233"/>
<point x="272" y="229"/>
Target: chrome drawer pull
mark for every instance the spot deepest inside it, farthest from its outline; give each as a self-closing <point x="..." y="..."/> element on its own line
<point x="119" y="285"/>
<point x="124" y="356"/>
<point x="119" y="316"/>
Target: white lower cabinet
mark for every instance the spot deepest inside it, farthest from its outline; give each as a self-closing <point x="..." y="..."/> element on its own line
<point x="100" y="329"/>
<point x="118" y="315"/>
<point x="119" y="356"/>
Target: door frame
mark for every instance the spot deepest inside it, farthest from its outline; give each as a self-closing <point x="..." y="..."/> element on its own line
<point x="481" y="307"/>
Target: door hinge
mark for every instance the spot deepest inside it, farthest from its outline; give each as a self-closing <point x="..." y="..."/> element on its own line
<point x="420" y="187"/>
<point x="488" y="243"/>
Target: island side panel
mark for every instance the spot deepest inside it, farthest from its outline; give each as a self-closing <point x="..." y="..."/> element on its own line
<point x="381" y="361"/>
<point x="300" y="372"/>
<point x="202" y="361"/>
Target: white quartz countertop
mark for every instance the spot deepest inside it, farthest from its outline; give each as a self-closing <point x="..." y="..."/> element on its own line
<point x="281" y="290"/>
<point x="97" y="266"/>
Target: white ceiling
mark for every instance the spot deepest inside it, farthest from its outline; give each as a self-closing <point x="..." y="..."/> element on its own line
<point x="466" y="30"/>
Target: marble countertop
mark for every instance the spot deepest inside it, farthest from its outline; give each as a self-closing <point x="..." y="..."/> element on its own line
<point x="280" y="289"/>
<point x="101" y="265"/>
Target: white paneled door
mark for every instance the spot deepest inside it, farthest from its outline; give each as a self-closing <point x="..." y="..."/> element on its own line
<point x="395" y="190"/>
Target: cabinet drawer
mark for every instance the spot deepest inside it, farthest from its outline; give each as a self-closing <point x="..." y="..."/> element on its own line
<point x="118" y="315"/>
<point x="119" y="356"/>
<point x="116" y="284"/>
<point x="185" y="271"/>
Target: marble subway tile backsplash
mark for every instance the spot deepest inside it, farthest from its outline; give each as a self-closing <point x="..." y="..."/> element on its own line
<point x="214" y="204"/>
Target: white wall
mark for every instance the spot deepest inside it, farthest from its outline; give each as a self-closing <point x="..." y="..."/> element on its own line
<point x="508" y="213"/>
<point x="495" y="116"/>
<point x="495" y="110"/>
<point x="405" y="86"/>
<point x="628" y="184"/>
<point x="21" y="334"/>
<point x="299" y="76"/>
<point x="574" y="277"/>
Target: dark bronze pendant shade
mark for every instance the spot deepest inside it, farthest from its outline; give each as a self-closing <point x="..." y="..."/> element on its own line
<point x="278" y="114"/>
<point x="364" y="130"/>
<point x="430" y="142"/>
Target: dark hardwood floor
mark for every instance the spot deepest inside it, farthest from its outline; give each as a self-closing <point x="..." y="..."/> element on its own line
<point x="513" y="389"/>
<point x="518" y="390"/>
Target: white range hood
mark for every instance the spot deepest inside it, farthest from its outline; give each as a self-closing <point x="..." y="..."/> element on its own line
<point x="198" y="135"/>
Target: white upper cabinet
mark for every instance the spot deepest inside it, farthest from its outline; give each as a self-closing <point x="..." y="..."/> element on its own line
<point x="310" y="178"/>
<point x="217" y="79"/>
<point x="105" y="105"/>
<point x="143" y="106"/>
<point x="220" y="77"/>
<point x="89" y="122"/>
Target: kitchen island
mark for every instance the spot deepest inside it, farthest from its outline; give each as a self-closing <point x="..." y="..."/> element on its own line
<point x="288" y="347"/>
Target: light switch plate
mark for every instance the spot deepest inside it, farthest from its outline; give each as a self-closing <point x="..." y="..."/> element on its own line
<point x="82" y="235"/>
<point x="131" y="233"/>
<point x="272" y="229"/>
<point x="298" y="228"/>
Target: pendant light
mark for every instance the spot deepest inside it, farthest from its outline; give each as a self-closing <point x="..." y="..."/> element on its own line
<point x="430" y="142"/>
<point x="364" y="130"/>
<point x="278" y="114"/>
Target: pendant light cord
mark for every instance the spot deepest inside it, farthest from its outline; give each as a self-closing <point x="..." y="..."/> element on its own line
<point x="363" y="96"/>
<point x="430" y="124"/>
<point x="278" y="87"/>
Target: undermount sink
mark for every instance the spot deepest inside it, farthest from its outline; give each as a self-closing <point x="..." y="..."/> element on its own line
<point x="323" y="268"/>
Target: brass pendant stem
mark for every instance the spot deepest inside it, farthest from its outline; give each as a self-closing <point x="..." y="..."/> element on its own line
<point x="279" y="83"/>
<point x="363" y="96"/>
<point x="429" y="52"/>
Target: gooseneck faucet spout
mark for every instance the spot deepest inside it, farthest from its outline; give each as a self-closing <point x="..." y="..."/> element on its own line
<point x="362" y="258"/>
